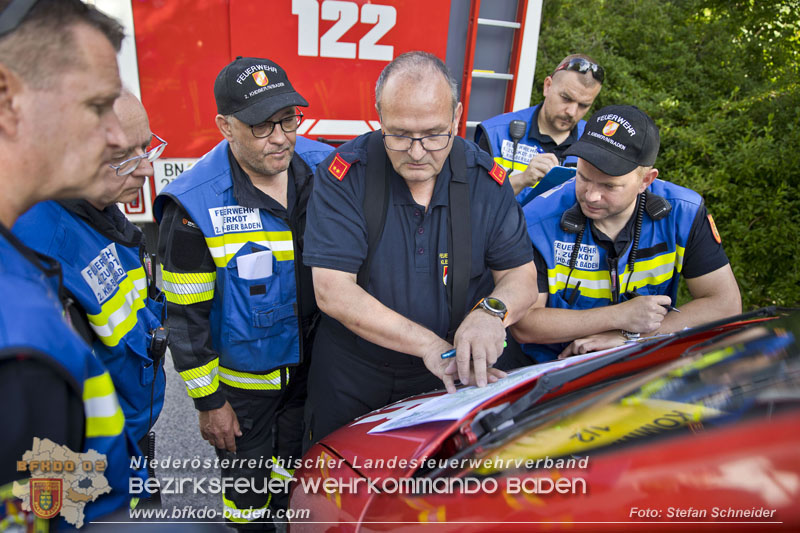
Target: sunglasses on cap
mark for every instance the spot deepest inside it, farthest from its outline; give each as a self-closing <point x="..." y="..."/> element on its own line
<point x="13" y="14"/>
<point x="579" y="64"/>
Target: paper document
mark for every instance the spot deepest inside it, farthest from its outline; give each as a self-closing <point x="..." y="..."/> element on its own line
<point x="457" y="405"/>
<point x="255" y="266"/>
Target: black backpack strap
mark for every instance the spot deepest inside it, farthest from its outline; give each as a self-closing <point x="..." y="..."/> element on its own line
<point x="460" y="260"/>
<point x="376" y="200"/>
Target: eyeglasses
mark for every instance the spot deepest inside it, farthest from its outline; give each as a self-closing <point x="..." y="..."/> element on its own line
<point x="12" y="15"/>
<point x="288" y="125"/>
<point x="579" y="64"/>
<point x="430" y="143"/>
<point x="129" y="165"/>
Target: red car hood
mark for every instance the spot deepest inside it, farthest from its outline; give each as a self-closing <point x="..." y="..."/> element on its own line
<point x="400" y="452"/>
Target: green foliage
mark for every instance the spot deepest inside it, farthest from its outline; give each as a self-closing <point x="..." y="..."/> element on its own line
<point x="721" y="79"/>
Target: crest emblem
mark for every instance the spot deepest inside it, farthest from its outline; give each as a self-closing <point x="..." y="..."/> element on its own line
<point x="610" y="128"/>
<point x="338" y="167"/>
<point x="260" y="78"/>
<point x="444" y="275"/>
<point x="46" y="497"/>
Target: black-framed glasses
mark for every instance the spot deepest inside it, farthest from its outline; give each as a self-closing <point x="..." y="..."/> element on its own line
<point x="288" y="125"/>
<point x="579" y="64"/>
<point x="129" y="165"/>
<point x="430" y="143"/>
<point x="12" y="15"/>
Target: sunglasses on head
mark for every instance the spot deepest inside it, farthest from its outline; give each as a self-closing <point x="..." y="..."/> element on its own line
<point x="579" y="64"/>
<point x="13" y="14"/>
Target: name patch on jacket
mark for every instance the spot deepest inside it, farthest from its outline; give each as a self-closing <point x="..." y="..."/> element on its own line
<point x="588" y="256"/>
<point x="233" y="218"/>
<point x="524" y="152"/>
<point x="104" y="273"/>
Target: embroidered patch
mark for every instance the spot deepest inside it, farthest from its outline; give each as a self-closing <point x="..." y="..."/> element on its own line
<point x="498" y="174"/>
<point x="339" y="167"/>
<point x="104" y="273"/>
<point x="714" y="229"/>
<point x="234" y="218"/>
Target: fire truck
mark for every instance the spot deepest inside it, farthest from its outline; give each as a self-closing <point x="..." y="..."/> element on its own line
<point x="333" y="52"/>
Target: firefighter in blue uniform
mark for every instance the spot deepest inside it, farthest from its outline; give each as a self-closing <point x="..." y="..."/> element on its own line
<point x="57" y="131"/>
<point x="108" y="274"/>
<point x="241" y="305"/>
<point x="611" y="245"/>
<point x="528" y="143"/>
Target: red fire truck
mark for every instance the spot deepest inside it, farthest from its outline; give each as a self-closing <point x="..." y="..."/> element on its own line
<point x="333" y="51"/>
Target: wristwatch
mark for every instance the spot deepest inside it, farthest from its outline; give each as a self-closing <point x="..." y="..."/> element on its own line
<point x="630" y="335"/>
<point x="493" y="306"/>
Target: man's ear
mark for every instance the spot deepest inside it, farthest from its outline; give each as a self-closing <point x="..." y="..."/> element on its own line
<point x="10" y="88"/>
<point x="224" y="127"/>
<point x="457" y="114"/>
<point x="648" y="178"/>
<point x="548" y="81"/>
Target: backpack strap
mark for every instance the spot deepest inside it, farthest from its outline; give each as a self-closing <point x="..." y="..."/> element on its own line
<point x="376" y="200"/>
<point x="460" y="234"/>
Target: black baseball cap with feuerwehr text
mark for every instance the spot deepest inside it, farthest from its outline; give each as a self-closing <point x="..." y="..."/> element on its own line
<point x="618" y="139"/>
<point x="253" y="89"/>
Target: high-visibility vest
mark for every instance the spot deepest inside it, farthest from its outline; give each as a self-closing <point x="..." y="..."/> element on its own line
<point x="32" y="323"/>
<point x="658" y="263"/>
<point x="254" y="323"/>
<point x="109" y="282"/>
<point x="502" y="146"/>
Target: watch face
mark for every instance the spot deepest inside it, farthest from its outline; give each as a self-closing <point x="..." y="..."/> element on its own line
<point x="495" y="305"/>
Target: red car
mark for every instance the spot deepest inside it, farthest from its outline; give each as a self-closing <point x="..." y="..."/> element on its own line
<point x="691" y="431"/>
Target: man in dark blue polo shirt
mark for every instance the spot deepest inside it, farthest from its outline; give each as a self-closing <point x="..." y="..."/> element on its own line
<point x="378" y="345"/>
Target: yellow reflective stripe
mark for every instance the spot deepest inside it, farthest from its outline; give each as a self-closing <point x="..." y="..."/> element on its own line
<point x="597" y="283"/>
<point x="224" y="247"/>
<point x="203" y="380"/>
<point x="189" y="288"/>
<point x="510" y="165"/>
<point x="278" y="472"/>
<point x="594" y="283"/>
<point x="679" y="251"/>
<point x="104" y="416"/>
<point x="246" y="380"/>
<point x="654" y="271"/>
<point x="117" y="315"/>
<point x="243" y="516"/>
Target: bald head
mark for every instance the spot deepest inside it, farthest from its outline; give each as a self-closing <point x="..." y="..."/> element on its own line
<point x="136" y="126"/>
<point x="421" y="67"/>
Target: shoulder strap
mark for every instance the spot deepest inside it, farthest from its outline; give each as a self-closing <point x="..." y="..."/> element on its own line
<point x="460" y="234"/>
<point x="376" y="200"/>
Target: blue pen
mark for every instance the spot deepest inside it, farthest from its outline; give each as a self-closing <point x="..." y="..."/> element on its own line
<point x="451" y="353"/>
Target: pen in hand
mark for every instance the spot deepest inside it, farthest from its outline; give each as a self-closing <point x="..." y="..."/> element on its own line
<point x="451" y="353"/>
<point x="631" y="294"/>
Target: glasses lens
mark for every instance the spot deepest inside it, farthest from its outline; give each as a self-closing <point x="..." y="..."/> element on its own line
<point x="156" y="152"/>
<point x="126" y="167"/>
<point x="264" y="129"/>
<point x="397" y="142"/>
<point x="291" y="123"/>
<point x="581" y="65"/>
<point x="432" y="143"/>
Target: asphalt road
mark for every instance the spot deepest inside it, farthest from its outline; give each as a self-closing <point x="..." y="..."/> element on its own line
<point x="178" y="438"/>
